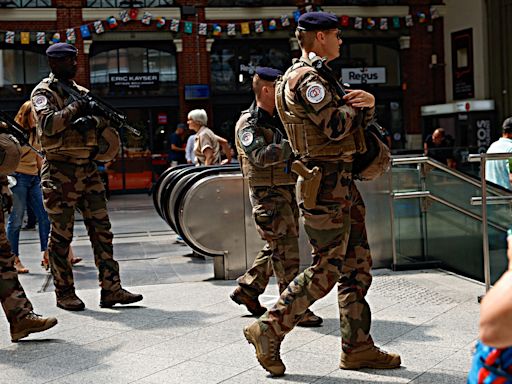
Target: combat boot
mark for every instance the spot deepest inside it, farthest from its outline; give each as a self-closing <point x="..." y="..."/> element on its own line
<point x="310" y="320"/>
<point x="267" y="346"/>
<point x="121" y="296"/>
<point x="251" y="303"/>
<point x="31" y="323"/>
<point x="372" y="357"/>
<point x="69" y="301"/>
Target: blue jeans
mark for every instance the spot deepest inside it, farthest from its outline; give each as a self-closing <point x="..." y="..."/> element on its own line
<point x="27" y="190"/>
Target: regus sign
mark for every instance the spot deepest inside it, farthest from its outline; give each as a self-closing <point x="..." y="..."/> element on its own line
<point x="369" y="75"/>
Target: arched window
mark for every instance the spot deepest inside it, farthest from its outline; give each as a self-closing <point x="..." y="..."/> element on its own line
<point x="107" y="61"/>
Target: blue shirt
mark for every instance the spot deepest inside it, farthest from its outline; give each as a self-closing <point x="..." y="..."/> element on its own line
<point x="189" y="151"/>
<point x="497" y="171"/>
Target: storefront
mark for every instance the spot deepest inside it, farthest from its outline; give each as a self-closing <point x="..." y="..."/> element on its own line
<point x="139" y="78"/>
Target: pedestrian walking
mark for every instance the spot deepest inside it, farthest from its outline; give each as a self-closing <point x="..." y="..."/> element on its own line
<point x="325" y="132"/>
<point x="264" y="156"/>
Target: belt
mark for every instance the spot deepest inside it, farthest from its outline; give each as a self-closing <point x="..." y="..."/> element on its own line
<point x="67" y="159"/>
<point x="330" y="166"/>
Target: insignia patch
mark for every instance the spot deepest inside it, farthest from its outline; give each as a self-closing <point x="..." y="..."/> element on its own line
<point x="40" y="102"/>
<point x="247" y="138"/>
<point x="315" y="93"/>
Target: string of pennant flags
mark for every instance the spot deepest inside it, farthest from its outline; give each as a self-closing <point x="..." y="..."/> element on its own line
<point x="173" y="25"/>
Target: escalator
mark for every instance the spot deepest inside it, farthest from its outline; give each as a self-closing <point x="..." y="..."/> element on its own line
<point x="418" y="215"/>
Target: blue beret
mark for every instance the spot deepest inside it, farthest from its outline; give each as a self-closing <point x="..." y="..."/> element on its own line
<point x="268" y="74"/>
<point x="317" y="21"/>
<point x="60" y="50"/>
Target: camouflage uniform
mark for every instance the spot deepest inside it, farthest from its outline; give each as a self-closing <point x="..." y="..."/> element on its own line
<point x="272" y="193"/>
<point x="15" y="303"/>
<point x="70" y="180"/>
<point x="326" y="135"/>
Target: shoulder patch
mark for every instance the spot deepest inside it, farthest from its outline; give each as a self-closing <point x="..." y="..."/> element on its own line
<point x="40" y="102"/>
<point x="247" y="138"/>
<point x="315" y="93"/>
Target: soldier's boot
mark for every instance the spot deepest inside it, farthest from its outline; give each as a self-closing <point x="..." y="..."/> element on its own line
<point x="267" y="346"/>
<point x="31" y="323"/>
<point x="69" y="301"/>
<point x="251" y="303"/>
<point x="310" y="320"/>
<point x="121" y="296"/>
<point x="373" y="357"/>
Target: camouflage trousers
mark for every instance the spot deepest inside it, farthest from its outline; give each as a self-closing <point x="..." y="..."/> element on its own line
<point x="14" y="301"/>
<point x="337" y="232"/>
<point x="276" y="215"/>
<point x="67" y="187"/>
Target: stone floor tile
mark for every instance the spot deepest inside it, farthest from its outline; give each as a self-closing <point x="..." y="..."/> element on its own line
<point x="192" y="372"/>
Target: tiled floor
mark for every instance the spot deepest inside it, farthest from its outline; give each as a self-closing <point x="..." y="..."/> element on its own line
<point x="187" y="330"/>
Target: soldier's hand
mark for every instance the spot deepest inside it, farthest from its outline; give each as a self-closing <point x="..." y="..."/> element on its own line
<point x="357" y="98"/>
<point x="6" y="195"/>
<point x="84" y="124"/>
<point x="286" y="149"/>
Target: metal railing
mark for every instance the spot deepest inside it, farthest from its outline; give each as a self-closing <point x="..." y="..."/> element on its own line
<point x="482" y="159"/>
<point x="423" y="163"/>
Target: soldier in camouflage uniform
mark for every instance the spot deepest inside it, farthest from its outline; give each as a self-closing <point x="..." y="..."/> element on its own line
<point x="17" y="307"/>
<point x="325" y="131"/>
<point x="69" y="131"/>
<point x="264" y="155"/>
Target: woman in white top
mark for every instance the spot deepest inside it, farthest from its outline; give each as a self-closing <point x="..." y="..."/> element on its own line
<point x="207" y="145"/>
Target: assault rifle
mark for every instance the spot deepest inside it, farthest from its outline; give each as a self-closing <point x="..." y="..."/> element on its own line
<point x="117" y="118"/>
<point x="319" y="64"/>
<point x="17" y="131"/>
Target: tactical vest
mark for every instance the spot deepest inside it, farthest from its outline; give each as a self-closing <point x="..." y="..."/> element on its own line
<point x="69" y="139"/>
<point x="306" y="140"/>
<point x="272" y="175"/>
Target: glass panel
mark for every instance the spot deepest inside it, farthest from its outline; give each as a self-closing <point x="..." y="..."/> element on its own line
<point x="460" y="192"/>
<point x="361" y="55"/>
<point x="223" y="69"/>
<point x="407" y="216"/>
<point x="389" y="58"/>
<point x="26" y="3"/>
<point x="134" y="60"/>
<point x="36" y="67"/>
<point x="163" y="63"/>
<point x="11" y="68"/>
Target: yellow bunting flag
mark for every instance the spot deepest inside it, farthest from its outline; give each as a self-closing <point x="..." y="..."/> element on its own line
<point x="244" y="28"/>
<point x="25" y="37"/>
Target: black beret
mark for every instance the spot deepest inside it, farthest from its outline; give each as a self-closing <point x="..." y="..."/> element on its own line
<point x="317" y="21"/>
<point x="268" y="74"/>
<point x="60" y="50"/>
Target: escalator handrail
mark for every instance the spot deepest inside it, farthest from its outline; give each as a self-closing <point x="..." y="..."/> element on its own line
<point x="189" y="186"/>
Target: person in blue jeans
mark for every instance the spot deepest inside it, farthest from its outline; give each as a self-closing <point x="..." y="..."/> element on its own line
<point x="27" y="189"/>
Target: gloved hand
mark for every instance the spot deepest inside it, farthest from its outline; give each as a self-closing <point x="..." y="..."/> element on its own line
<point x="6" y="196"/>
<point x="286" y="149"/>
<point x="84" y="124"/>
